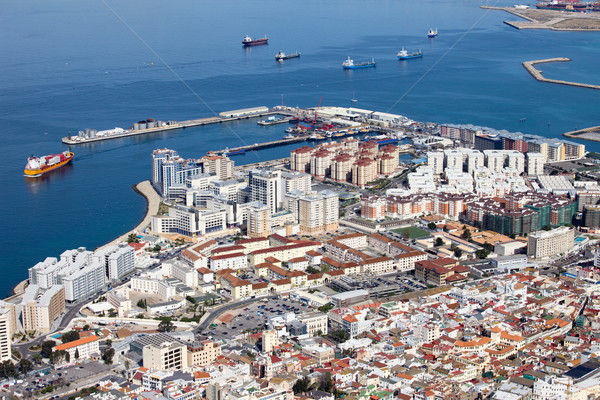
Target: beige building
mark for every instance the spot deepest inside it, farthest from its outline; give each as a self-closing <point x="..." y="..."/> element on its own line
<point x="364" y="170"/>
<point x="220" y="165"/>
<point x="202" y="353"/>
<point x="40" y="308"/>
<point x="341" y="167"/>
<point x="543" y="244"/>
<point x="167" y="356"/>
<point x="320" y="164"/>
<point x="315" y="321"/>
<point x="315" y="211"/>
<point x="300" y="159"/>
<point x="269" y="340"/>
<point x="259" y="223"/>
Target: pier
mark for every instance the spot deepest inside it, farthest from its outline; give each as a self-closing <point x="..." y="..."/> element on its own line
<point x="265" y="145"/>
<point x="537" y="74"/>
<point x="264" y="112"/>
<point x="551" y="19"/>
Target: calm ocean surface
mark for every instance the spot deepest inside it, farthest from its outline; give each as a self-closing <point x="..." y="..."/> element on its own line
<point x="69" y="65"/>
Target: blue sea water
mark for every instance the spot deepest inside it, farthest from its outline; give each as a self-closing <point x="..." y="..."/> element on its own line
<point x="68" y="65"/>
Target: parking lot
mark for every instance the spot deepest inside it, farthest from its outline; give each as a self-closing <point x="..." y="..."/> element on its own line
<point x="253" y="317"/>
<point x="58" y="378"/>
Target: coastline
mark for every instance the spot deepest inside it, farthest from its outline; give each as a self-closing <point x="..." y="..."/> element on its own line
<point x="146" y="190"/>
<point x="592" y="134"/>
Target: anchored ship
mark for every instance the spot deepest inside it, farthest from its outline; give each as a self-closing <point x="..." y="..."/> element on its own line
<point x="349" y="64"/>
<point x="432" y="33"/>
<point x="37" y="166"/>
<point x="248" y="41"/>
<point x="404" y="55"/>
<point x="282" y="56"/>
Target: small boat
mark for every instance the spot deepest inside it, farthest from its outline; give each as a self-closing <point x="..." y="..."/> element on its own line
<point x="405" y="55"/>
<point x="289" y="136"/>
<point x="37" y="166"/>
<point x="349" y="64"/>
<point x="432" y="33"/>
<point x="282" y="56"/>
<point x="353" y="99"/>
<point x="521" y="7"/>
<point x="248" y="41"/>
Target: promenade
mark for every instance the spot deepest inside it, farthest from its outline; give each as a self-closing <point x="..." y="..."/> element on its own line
<point x="153" y="202"/>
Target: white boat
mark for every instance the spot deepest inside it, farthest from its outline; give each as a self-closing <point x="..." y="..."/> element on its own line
<point x="521" y="7"/>
<point x="432" y="33"/>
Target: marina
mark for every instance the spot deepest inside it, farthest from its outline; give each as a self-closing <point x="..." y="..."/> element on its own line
<point x="537" y="74"/>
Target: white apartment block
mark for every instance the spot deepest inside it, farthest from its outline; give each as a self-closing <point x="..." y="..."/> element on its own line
<point x="82" y="281"/>
<point x="118" y="261"/>
<point x="377" y="266"/>
<point x="182" y="271"/>
<point x="535" y="164"/>
<point x="475" y="159"/>
<point x="153" y="286"/>
<point x="353" y="240"/>
<point x="6" y="331"/>
<point x="426" y="332"/>
<point x="84" y="348"/>
<point x="228" y="189"/>
<point x="233" y="261"/>
<point x="189" y="221"/>
<point x="406" y="261"/>
<point x="435" y="161"/>
<point x="294" y="180"/>
<point x="266" y="187"/>
<point x="259" y="220"/>
<point x="543" y="244"/>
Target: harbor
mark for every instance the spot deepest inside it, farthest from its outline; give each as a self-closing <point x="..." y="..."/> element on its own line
<point x="551" y="19"/>
<point x="537" y="74"/>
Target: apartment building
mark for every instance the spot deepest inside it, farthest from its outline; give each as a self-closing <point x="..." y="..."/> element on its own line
<point x="315" y="212"/>
<point x="41" y="307"/>
<point x="202" y="352"/>
<point x="81" y="349"/>
<point x="543" y="244"/>
<point x="167" y="356"/>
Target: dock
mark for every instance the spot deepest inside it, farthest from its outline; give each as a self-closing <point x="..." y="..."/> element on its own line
<point x="537" y="74"/>
<point x="267" y="122"/>
<point x="265" y="145"/>
<point x="229" y="116"/>
<point x="551" y="19"/>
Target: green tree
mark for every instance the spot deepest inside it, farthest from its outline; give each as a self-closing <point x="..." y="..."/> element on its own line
<point x="76" y="354"/>
<point x="488" y="246"/>
<point x="25" y="366"/>
<point x="142" y="303"/>
<point x="432" y="226"/>
<point x="166" y="325"/>
<point x="7" y="369"/>
<point x="547" y="228"/>
<point x="458" y="253"/>
<point x="325" y="308"/>
<point x="108" y="356"/>
<point x="36" y="358"/>
<point x="439" y="242"/>
<point x="325" y="383"/>
<point x="482" y="253"/>
<point x="466" y="234"/>
<point x="325" y="268"/>
<point x="70" y="336"/>
<point x="132" y="238"/>
<point x="312" y="270"/>
<point x="301" y="385"/>
<point x="47" y="347"/>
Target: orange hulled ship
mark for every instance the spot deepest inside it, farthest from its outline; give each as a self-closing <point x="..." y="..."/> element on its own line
<point x="37" y="166"/>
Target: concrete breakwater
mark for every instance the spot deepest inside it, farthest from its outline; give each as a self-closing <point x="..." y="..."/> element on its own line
<point x="260" y="112"/>
<point x="592" y="134"/>
<point x="537" y="74"/>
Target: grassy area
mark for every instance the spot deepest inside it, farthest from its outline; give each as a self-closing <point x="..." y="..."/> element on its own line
<point x="163" y="209"/>
<point x="412" y="232"/>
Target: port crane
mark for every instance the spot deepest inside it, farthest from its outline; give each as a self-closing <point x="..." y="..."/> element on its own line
<point x="317" y="109"/>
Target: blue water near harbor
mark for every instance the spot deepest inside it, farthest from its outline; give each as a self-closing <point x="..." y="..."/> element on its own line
<point x="71" y="65"/>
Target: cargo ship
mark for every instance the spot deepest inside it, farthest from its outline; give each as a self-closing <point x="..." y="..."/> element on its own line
<point x="349" y="64"/>
<point x="248" y="41"/>
<point x="282" y="56"/>
<point x="404" y="55"/>
<point x="562" y="6"/>
<point x="432" y="33"/>
<point x="37" y="166"/>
